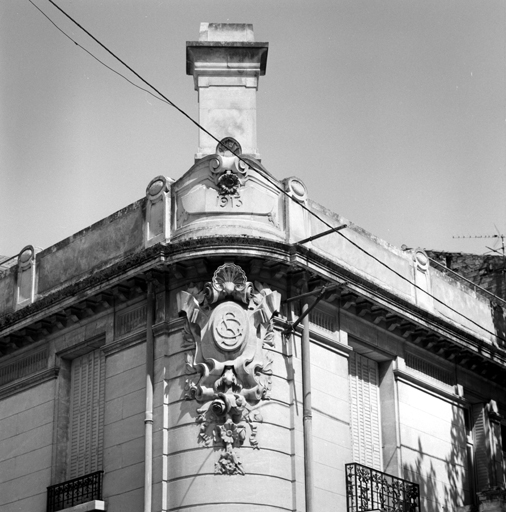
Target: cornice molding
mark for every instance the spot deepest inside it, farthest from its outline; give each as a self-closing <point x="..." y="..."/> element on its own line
<point x="293" y="256"/>
<point x="127" y="341"/>
<point x="170" y="327"/>
<point x="427" y="387"/>
<point x="25" y="383"/>
<point x="328" y="342"/>
<point x="76" y="292"/>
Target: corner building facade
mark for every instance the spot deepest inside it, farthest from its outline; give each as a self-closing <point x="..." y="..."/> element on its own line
<point x="227" y="344"/>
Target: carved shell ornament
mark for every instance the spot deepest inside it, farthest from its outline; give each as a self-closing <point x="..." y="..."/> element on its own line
<point x="230" y="323"/>
<point x="229" y="280"/>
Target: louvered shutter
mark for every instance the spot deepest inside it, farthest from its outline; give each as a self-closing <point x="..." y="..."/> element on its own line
<point x="503" y="446"/>
<point x="86" y="414"/>
<point x="365" y="411"/>
<point x="482" y="452"/>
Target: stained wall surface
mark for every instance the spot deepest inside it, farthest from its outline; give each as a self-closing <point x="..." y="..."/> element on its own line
<point x="26" y="445"/>
<point x="427" y="414"/>
<point x="433" y="439"/>
<point x="191" y="482"/>
<point x="124" y="428"/>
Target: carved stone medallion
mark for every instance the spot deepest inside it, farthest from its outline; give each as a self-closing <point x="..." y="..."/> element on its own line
<point x="230" y="324"/>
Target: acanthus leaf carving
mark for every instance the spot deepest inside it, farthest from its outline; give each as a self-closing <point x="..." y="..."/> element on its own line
<point x="231" y="327"/>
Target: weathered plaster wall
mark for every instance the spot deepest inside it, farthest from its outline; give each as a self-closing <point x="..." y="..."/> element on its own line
<point x="26" y="436"/>
<point x="7" y="290"/>
<point x="124" y="429"/>
<point x="338" y="249"/>
<point x="89" y="250"/>
<point x="228" y="110"/>
<point x="464" y="300"/>
<point x="260" y="210"/>
<point x="100" y="325"/>
<point x="487" y="271"/>
<point x="191" y="482"/>
<point x="433" y="447"/>
<point x="331" y="427"/>
<point x="432" y="434"/>
<point x="454" y="301"/>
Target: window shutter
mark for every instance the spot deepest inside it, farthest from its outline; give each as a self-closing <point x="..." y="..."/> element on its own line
<point x="365" y="411"/>
<point x="87" y="414"/>
<point x="481" y="446"/>
<point x="503" y="447"/>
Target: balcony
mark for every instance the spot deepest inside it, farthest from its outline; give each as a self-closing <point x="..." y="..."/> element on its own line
<point x="371" y="490"/>
<point x="87" y="488"/>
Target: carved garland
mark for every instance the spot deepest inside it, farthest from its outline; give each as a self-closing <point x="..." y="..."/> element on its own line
<point x="229" y="324"/>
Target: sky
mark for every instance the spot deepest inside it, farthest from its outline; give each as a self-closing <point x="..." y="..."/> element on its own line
<point x="392" y="112"/>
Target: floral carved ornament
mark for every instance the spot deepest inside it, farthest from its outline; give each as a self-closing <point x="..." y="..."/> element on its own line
<point x="229" y="325"/>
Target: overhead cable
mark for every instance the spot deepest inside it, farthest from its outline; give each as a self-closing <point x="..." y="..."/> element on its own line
<point x="95" y="57"/>
<point x="259" y="171"/>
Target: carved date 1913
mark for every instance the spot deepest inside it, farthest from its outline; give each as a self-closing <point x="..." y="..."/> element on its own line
<point x="234" y="201"/>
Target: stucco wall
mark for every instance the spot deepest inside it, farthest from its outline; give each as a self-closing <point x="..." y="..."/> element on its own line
<point x="454" y="301"/>
<point x="338" y="249"/>
<point x="432" y="438"/>
<point x="191" y="482"/>
<point x="26" y="436"/>
<point x="7" y="290"/>
<point x="124" y="429"/>
<point x="476" y="309"/>
<point x="486" y="271"/>
<point x="331" y="427"/>
<point x="85" y="252"/>
<point x="433" y="447"/>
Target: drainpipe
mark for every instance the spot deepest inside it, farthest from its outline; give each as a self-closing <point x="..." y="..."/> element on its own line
<point x="148" y="418"/>
<point x="307" y="411"/>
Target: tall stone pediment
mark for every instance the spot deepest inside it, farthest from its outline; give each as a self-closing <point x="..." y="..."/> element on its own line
<point x="227" y="194"/>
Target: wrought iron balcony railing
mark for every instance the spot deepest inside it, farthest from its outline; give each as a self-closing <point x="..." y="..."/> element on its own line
<point x="74" y="492"/>
<point x="370" y="490"/>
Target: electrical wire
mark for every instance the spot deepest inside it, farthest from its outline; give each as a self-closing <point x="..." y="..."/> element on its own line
<point x="261" y="172"/>
<point x="181" y="111"/>
<point x="95" y="57"/>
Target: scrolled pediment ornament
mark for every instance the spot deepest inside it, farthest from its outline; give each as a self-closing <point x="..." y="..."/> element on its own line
<point x="230" y="322"/>
<point x="227" y="170"/>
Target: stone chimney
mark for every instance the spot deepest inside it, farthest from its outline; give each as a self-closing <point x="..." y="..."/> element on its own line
<point x="226" y="64"/>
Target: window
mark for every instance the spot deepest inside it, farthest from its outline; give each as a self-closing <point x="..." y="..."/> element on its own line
<point x="79" y="429"/>
<point x="470" y="487"/>
<point x="481" y="446"/>
<point x="487" y="444"/>
<point x="365" y="411"/>
<point x="86" y="429"/>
